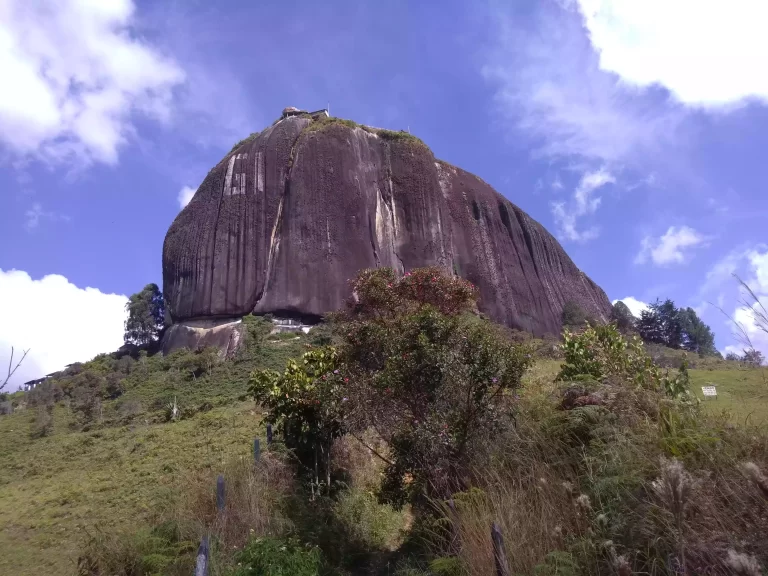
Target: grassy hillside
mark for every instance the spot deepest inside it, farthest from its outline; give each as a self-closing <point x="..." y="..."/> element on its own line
<point x="127" y="468"/>
<point x="55" y="490"/>
<point x="741" y="392"/>
<point x="123" y="469"/>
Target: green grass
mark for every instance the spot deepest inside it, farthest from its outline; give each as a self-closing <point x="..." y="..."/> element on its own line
<point x="54" y="490"/>
<point x="388" y="135"/>
<point x="121" y="472"/>
<point x="120" y="475"/>
<point x="399" y="136"/>
<point x="743" y="393"/>
<point x="245" y="140"/>
<point x="326" y="122"/>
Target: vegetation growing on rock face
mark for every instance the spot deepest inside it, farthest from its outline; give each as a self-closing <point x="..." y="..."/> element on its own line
<point x="573" y="315"/>
<point x="399" y="136"/>
<point x="323" y="122"/>
<point x="246" y="140"/>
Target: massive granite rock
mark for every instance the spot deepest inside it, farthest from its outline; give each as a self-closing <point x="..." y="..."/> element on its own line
<point x="290" y="215"/>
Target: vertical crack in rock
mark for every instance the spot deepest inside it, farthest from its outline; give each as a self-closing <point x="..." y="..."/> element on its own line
<point x="392" y="208"/>
<point x="373" y="242"/>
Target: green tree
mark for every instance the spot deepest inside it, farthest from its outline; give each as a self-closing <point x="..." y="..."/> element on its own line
<point x="573" y="314"/>
<point x="660" y="324"/>
<point x="697" y="336"/>
<point x="664" y="323"/>
<point x="306" y="401"/>
<point x="753" y="357"/>
<point x="146" y="313"/>
<point x="622" y="317"/>
<point x="416" y="365"/>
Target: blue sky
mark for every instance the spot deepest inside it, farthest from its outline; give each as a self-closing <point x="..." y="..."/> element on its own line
<point x="635" y="132"/>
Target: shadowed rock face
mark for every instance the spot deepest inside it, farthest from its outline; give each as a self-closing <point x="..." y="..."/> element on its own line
<point x="286" y="219"/>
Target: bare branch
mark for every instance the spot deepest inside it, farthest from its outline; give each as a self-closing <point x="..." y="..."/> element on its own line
<point x="12" y="368"/>
<point x="740" y="333"/>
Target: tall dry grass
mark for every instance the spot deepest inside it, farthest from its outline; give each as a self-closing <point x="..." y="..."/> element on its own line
<point x="255" y="500"/>
<point x="635" y="486"/>
<point x="255" y="506"/>
<point x="536" y="513"/>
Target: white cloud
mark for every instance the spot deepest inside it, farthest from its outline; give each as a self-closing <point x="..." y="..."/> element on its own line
<point x="36" y="213"/>
<point x="635" y="306"/>
<point x="548" y="84"/>
<point x="751" y="264"/>
<point x="185" y="195"/>
<point x="673" y="247"/>
<point x="754" y="318"/>
<point x="705" y="53"/>
<point x="759" y="261"/>
<point x="754" y="330"/>
<point x="59" y="322"/>
<point x="73" y="74"/>
<point x="584" y="202"/>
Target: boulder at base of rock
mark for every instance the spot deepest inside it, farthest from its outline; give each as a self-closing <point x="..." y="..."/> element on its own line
<point x="224" y="334"/>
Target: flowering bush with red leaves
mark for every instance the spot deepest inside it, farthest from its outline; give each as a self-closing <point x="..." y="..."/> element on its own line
<point x="378" y="292"/>
<point x="431" y="377"/>
<point x="414" y="363"/>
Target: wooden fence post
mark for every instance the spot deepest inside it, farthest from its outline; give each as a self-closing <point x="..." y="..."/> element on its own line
<point x="201" y="566"/>
<point x="499" y="556"/>
<point x="455" y="536"/>
<point x="256" y="449"/>
<point x="220" y="493"/>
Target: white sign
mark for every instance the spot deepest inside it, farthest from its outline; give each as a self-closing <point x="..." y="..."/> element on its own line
<point x="709" y="391"/>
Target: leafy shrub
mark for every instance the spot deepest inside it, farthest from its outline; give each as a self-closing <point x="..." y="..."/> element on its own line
<point x="324" y="122"/>
<point x="278" y="557"/>
<point x="129" y="409"/>
<point x="305" y="401"/>
<point x="399" y="136"/>
<point x="602" y="351"/>
<point x="622" y="317"/>
<point x="45" y="393"/>
<point x="114" y="385"/>
<point x="413" y="363"/>
<point x="86" y="395"/>
<point x="42" y="423"/>
<point x="573" y="314"/>
<point x="192" y="364"/>
<point x="124" y="364"/>
<point x="145" y="553"/>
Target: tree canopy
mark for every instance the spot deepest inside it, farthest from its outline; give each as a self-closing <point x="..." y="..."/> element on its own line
<point x="146" y="313"/>
<point x="622" y="316"/>
<point x="664" y="323"/>
<point x="573" y="314"/>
